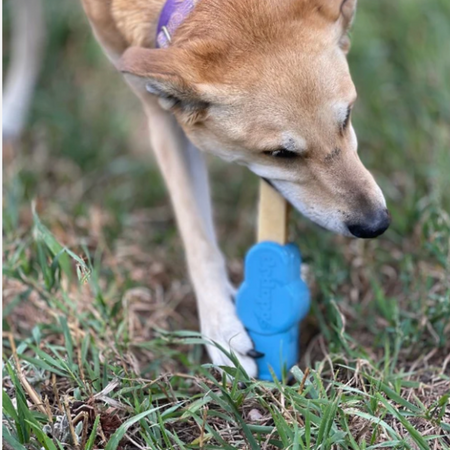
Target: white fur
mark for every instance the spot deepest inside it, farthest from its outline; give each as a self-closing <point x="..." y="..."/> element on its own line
<point x="330" y="219"/>
<point x="293" y="142"/>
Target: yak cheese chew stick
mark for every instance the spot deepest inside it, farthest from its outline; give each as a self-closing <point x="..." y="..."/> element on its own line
<point x="272" y="215"/>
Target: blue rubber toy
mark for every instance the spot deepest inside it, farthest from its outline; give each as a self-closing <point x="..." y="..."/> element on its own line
<point x="271" y="303"/>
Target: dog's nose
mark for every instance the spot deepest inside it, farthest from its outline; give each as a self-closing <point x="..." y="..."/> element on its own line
<point x="374" y="225"/>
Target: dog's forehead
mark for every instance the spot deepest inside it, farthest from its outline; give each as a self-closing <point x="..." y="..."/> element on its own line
<point x="282" y="85"/>
<point x="285" y="101"/>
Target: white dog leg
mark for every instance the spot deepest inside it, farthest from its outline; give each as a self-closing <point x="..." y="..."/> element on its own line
<point x="184" y="171"/>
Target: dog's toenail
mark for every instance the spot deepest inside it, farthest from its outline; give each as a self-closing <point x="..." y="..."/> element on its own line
<point x="255" y="354"/>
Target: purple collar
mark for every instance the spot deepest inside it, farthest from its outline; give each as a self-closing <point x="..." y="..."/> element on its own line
<point x="172" y="16"/>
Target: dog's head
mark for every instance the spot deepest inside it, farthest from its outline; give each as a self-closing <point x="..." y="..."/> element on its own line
<point x="266" y="84"/>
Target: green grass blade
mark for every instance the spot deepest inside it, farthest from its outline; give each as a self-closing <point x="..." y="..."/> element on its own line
<point x="91" y="440"/>
<point x="418" y="438"/>
<point x="43" y="365"/>
<point x="8" y="407"/>
<point x="14" y="444"/>
<point x="42" y="437"/>
<point x="394" y="396"/>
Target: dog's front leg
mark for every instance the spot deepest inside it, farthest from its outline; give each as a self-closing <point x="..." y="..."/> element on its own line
<point x="184" y="171"/>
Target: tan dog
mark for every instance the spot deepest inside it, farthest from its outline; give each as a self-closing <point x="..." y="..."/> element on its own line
<point x="264" y="83"/>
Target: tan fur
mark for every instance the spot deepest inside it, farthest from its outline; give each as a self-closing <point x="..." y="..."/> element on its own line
<point x="243" y="78"/>
<point x="136" y="20"/>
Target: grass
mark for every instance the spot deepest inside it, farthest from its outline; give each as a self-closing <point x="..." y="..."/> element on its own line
<point x="95" y="289"/>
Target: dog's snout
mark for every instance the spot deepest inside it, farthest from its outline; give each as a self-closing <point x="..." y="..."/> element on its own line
<point x="372" y="225"/>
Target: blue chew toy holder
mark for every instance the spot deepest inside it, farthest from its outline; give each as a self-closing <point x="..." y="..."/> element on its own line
<point x="271" y="303"/>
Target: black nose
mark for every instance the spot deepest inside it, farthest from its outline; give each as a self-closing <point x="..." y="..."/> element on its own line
<point x="372" y="226"/>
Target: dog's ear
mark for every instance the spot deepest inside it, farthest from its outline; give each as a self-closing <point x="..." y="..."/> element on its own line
<point x="348" y="10"/>
<point x="341" y="12"/>
<point x="168" y="74"/>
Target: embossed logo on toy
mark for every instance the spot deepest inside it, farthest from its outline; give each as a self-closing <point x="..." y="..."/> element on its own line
<point x="266" y="288"/>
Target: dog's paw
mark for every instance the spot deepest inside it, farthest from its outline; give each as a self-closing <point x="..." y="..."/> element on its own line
<point x="220" y="324"/>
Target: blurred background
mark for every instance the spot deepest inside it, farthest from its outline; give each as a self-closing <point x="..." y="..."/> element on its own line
<point x="84" y="159"/>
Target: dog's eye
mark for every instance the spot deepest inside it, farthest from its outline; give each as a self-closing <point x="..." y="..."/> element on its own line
<point x="347" y="119"/>
<point x="281" y="153"/>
